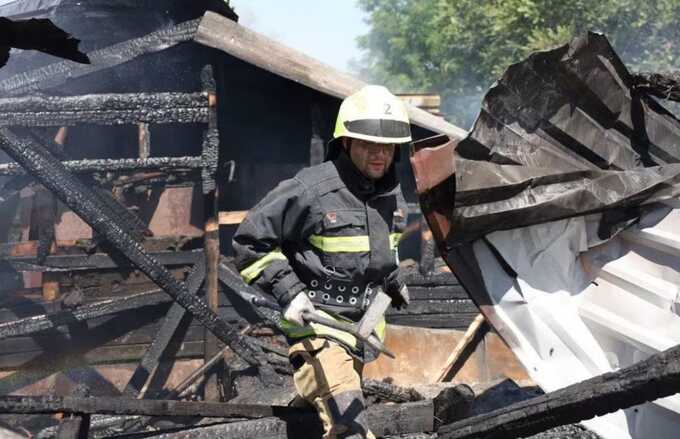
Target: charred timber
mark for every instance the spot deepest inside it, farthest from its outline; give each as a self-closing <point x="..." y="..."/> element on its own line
<point x="269" y="428"/>
<point x="104" y="109"/>
<point x="56" y="74"/>
<point x="97" y="261"/>
<point x="390" y="392"/>
<point x="656" y="377"/>
<point x="31" y="325"/>
<point x="161" y="164"/>
<point x="128" y="406"/>
<point x="165" y="335"/>
<point x="82" y="200"/>
<point x="110" y="101"/>
<point x="661" y="85"/>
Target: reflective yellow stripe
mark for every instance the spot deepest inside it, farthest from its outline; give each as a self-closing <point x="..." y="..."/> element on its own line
<point x="337" y="244"/>
<point x="253" y="270"/>
<point x="316" y="329"/>
<point x="348" y="244"/>
<point x="394" y="240"/>
<point x="380" y="329"/>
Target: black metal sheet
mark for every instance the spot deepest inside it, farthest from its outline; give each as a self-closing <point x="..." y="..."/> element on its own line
<point x="564" y="133"/>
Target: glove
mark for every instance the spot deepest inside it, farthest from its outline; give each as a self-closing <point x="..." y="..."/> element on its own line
<point x="397" y="290"/>
<point x="298" y="306"/>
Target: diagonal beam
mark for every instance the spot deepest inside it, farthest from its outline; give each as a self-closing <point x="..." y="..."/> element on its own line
<point x="33" y="324"/>
<point x="165" y="334"/>
<point x="56" y="74"/>
<point x="656" y="377"/>
<point x="52" y="174"/>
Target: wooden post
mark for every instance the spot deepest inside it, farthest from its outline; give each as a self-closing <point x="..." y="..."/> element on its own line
<point x="144" y="140"/>
<point x="211" y="246"/>
<point x="426" y="265"/>
<point x="50" y="281"/>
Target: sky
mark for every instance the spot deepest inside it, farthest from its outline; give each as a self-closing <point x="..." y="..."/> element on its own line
<point x="324" y="29"/>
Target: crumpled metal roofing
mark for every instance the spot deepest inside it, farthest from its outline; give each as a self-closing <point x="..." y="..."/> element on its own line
<point x="564" y="133"/>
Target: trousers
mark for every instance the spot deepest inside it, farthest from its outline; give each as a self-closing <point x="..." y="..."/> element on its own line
<point x="329" y="378"/>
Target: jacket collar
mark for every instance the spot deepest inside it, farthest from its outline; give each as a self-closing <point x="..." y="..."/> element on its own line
<point x="360" y="185"/>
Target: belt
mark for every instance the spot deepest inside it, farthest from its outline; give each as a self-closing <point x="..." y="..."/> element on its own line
<point x="340" y="293"/>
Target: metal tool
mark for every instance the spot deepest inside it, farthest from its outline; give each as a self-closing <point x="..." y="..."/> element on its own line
<point x="361" y="330"/>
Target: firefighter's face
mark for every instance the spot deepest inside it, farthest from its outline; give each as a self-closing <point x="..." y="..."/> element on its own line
<point x="372" y="159"/>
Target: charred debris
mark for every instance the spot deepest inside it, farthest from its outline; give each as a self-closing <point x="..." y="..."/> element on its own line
<point x="120" y="316"/>
<point x="118" y="307"/>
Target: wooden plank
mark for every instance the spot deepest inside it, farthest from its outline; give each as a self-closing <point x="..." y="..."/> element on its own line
<point x="446" y="292"/>
<point x="452" y="321"/>
<point x="462" y="344"/>
<point x="422" y="100"/>
<point x="425" y="307"/>
<point x="383" y="420"/>
<point x="145" y="407"/>
<point x="227" y="35"/>
<point x="268" y="428"/>
<point x="49" y="363"/>
<point x="74" y="427"/>
<point x="431" y="280"/>
<point x="233" y="217"/>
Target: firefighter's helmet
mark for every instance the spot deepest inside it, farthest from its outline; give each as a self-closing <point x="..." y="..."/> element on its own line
<point x="373" y="114"/>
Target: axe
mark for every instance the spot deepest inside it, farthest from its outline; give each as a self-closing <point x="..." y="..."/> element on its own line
<point x="362" y="330"/>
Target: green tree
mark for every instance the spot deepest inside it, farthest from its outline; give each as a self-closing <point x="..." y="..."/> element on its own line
<point x="457" y="48"/>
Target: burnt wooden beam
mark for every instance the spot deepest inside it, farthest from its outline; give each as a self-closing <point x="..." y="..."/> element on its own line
<point x="104" y="109"/>
<point x="223" y="34"/>
<point x="81" y="199"/>
<point x="149" y="102"/>
<point x="28" y="405"/>
<point x="661" y="85"/>
<point x="74" y="427"/>
<point x="165" y="335"/>
<point x="656" y="377"/>
<point x="34" y="324"/>
<point x="211" y="226"/>
<point x="161" y="164"/>
<point x="452" y="404"/>
<point x="96" y="261"/>
<point x="390" y="392"/>
<point x="58" y="73"/>
<point x="383" y="420"/>
<point x="268" y="428"/>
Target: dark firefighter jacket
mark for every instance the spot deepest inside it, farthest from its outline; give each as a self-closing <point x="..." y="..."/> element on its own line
<point x="329" y="231"/>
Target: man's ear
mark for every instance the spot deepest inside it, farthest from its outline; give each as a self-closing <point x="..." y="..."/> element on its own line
<point x="346" y="143"/>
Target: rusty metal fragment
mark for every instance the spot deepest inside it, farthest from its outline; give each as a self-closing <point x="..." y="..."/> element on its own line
<point x="433" y="162"/>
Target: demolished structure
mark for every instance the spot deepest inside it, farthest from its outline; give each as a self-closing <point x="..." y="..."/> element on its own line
<point x="118" y="306"/>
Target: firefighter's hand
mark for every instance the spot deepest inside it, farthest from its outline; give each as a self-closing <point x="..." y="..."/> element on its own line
<point x="298" y="306"/>
<point x="397" y="290"/>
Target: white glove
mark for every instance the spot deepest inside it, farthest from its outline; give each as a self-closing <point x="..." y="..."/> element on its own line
<point x="299" y="305"/>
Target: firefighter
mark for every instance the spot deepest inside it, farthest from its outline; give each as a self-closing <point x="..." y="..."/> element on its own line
<point x="322" y="241"/>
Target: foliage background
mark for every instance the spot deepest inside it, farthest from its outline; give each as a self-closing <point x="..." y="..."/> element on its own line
<point x="457" y="48"/>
